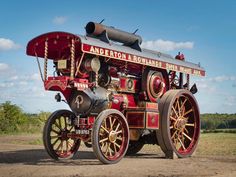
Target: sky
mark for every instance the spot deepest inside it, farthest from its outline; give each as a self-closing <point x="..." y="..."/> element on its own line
<point x="205" y="31"/>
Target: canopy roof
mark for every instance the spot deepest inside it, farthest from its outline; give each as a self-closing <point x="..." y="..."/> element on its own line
<point x="59" y="42"/>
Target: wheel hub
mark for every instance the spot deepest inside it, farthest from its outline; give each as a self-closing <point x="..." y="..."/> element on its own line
<point x="180" y="123"/>
<point x="112" y="136"/>
<point x="64" y="135"/>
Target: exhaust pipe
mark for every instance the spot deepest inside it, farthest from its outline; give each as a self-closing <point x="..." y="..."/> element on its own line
<point x="97" y="29"/>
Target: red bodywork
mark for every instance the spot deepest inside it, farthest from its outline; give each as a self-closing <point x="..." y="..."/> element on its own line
<point x="130" y="90"/>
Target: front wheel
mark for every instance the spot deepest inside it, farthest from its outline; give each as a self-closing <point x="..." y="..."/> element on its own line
<point x="179" y="123"/>
<point x="57" y="138"/>
<point x="110" y="136"/>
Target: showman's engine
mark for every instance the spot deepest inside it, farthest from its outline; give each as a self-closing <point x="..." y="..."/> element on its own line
<point x="121" y="96"/>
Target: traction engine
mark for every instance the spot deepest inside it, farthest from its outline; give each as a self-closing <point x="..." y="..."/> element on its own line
<point x="121" y="96"/>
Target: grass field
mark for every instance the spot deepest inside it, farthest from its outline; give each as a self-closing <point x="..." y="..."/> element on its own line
<point x="217" y="144"/>
<point x="209" y="144"/>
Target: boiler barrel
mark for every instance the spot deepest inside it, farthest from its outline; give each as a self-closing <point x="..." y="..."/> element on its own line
<point x="96" y="29"/>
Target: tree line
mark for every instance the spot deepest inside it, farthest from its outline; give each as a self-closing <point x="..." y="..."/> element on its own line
<point x="14" y="120"/>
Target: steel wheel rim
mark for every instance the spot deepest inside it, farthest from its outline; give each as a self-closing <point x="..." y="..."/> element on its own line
<point x="184" y="124"/>
<point x="61" y="144"/>
<point x="113" y="137"/>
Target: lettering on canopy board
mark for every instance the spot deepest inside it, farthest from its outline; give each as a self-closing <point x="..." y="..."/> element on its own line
<point x="139" y="60"/>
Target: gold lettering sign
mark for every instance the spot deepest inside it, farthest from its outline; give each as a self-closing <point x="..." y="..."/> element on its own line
<point x="140" y="60"/>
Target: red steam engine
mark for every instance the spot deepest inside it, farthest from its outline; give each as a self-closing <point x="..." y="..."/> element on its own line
<point x="121" y="95"/>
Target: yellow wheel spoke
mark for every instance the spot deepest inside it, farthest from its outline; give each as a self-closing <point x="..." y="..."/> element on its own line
<point x="188" y="111"/>
<point x="71" y="128"/>
<point x="117" y="144"/>
<point x="59" y="146"/>
<point x="173" y="134"/>
<point x="62" y="146"/>
<point x="113" y="123"/>
<point x="53" y="144"/>
<point x="119" y="138"/>
<point x="171" y="117"/>
<point x="59" y="121"/>
<point x="58" y="126"/>
<point x="67" y="145"/>
<point x="179" y="111"/>
<point x="181" y="143"/>
<point x="110" y="122"/>
<point x="190" y="125"/>
<point x="108" y="145"/>
<point x="118" y="132"/>
<point x="65" y="122"/>
<point x="103" y="145"/>
<point x="104" y="129"/>
<point x="118" y="125"/>
<point x="110" y="151"/>
<point x="55" y="131"/>
<point x="101" y="141"/>
<point x="105" y="122"/>
<point x="187" y="136"/>
<point x="171" y="127"/>
<point x="175" y="111"/>
<point x="183" y="104"/>
<point x="114" y="148"/>
<point x="56" y="136"/>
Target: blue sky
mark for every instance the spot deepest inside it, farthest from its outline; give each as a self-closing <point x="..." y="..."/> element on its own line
<point x="205" y="31"/>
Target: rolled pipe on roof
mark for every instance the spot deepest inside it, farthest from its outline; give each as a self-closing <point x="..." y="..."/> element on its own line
<point x="117" y="35"/>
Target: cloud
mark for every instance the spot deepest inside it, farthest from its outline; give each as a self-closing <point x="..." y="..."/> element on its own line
<point x="59" y="20"/>
<point x="7" y="44"/>
<point x="7" y="85"/>
<point x="3" y="67"/>
<point x="33" y="77"/>
<point x="223" y="78"/>
<point x="163" y="45"/>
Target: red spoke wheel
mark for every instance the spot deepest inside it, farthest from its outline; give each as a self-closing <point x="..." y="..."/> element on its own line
<point x="110" y="136"/>
<point x="56" y="139"/>
<point x="179" y="123"/>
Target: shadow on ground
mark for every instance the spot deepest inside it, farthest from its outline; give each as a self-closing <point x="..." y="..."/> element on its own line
<point x="40" y="157"/>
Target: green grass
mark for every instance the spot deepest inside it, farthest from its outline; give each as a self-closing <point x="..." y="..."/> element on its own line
<point x="209" y="144"/>
<point x="220" y="131"/>
<point x="217" y="144"/>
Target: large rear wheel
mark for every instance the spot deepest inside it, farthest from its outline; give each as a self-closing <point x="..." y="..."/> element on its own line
<point x="179" y="123"/>
<point x="110" y="136"/>
<point x="57" y="135"/>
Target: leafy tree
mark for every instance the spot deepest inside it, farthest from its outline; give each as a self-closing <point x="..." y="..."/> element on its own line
<point x="11" y="116"/>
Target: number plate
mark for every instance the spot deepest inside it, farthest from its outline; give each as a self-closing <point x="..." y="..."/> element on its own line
<point x="82" y="132"/>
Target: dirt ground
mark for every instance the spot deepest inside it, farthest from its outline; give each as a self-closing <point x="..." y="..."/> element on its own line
<point x="18" y="158"/>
